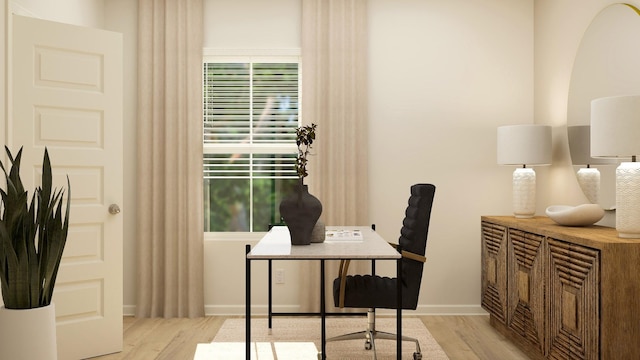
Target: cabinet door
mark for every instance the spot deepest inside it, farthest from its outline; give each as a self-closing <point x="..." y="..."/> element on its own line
<point x="573" y="300"/>
<point x="494" y="270"/>
<point x="525" y="280"/>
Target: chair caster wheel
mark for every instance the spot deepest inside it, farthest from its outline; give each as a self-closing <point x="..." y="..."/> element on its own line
<point x="417" y="356"/>
<point x="367" y="345"/>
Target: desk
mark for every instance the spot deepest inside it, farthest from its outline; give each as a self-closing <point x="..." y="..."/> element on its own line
<point x="276" y="245"/>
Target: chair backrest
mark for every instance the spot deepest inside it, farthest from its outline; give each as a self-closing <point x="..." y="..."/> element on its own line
<point x="413" y="238"/>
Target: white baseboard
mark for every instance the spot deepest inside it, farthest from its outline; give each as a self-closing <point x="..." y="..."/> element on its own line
<point x="129" y="310"/>
<point x="450" y="310"/>
<point x="234" y="310"/>
<point x="238" y="310"/>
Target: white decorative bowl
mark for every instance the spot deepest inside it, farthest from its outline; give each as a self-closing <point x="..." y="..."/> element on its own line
<point x="581" y="215"/>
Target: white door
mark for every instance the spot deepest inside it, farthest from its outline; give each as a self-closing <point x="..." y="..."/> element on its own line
<point x="67" y="96"/>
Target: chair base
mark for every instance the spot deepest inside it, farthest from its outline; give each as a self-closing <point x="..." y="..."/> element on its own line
<point x="371" y="335"/>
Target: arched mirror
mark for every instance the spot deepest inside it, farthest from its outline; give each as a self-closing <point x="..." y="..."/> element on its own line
<point x="606" y="64"/>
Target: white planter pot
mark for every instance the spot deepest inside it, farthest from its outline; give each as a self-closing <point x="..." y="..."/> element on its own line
<point x="28" y="334"/>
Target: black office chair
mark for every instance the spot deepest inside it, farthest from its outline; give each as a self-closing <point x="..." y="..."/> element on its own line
<point x="371" y="291"/>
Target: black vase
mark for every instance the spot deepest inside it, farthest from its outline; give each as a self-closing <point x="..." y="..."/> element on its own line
<point x="300" y="212"/>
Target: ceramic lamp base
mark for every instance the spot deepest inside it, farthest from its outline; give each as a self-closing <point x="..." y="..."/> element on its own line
<point x="628" y="200"/>
<point x="589" y="180"/>
<point x="524" y="193"/>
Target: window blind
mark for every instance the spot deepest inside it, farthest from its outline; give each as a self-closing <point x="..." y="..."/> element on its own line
<point x="246" y="166"/>
<point x="249" y="120"/>
<point x="250" y="103"/>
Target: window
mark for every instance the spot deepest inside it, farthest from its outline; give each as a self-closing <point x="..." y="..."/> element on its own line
<point x="250" y="116"/>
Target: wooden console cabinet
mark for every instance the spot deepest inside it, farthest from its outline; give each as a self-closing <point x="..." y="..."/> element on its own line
<point x="562" y="292"/>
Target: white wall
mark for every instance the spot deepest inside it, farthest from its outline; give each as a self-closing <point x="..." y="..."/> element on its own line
<point x="122" y="16"/>
<point x="252" y="24"/>
<point x="443" y="75"/>
<point x="77" y="12"/>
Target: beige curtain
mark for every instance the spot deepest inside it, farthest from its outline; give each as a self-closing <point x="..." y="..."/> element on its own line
<point x="334" y="96"/>
<point x="170" y="214"/>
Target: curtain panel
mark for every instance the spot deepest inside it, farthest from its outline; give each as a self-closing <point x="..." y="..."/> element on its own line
<point x="334" y="96"/>
<point x="169" y="179"/>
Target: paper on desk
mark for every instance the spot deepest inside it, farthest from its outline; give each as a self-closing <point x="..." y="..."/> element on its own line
<point x="343" y="235"/>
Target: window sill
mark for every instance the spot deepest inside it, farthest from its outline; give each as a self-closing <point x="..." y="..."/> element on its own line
<point x="233" y="236"/>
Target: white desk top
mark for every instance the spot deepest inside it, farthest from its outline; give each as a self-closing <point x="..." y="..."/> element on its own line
<point x="276" y="244"/>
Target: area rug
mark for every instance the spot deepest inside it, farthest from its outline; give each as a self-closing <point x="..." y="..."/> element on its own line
<point x="299" y="339"/>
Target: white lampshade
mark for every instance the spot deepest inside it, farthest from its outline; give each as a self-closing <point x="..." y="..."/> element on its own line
<point x="615" y="126"/>
<point x="615" y="133"/>
<point x="524" y="145"/>
<point x="580" y="147"/>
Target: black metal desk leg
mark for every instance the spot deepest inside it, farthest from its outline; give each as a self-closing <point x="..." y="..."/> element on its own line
<point x="323" y="338"/>
<point x="248" y="305"/>
<point x="399" y="309"/>
<point x="270" y="293"/>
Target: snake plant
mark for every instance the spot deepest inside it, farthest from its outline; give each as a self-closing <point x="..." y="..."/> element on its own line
<point x="33" y="233"/>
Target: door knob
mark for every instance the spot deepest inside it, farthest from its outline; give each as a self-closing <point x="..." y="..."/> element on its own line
<point x="114" y="209"/>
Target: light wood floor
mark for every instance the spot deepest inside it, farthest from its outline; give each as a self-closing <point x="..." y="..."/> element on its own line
<point x="461" y="337"/>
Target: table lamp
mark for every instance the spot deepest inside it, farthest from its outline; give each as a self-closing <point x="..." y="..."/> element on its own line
<point x="524" y="145"/>
<point x="580" y="149"/>
<point x="615" y="133"/>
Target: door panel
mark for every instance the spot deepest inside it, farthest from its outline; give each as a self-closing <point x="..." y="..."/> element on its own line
<point x="67" y="97"/>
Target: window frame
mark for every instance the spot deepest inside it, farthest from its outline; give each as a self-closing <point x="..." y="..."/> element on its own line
<point x="251" y="56"/>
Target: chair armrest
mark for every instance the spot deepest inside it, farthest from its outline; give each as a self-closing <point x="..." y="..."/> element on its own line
<point x="344" y="267"/>
<point x="410" y="255"/>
